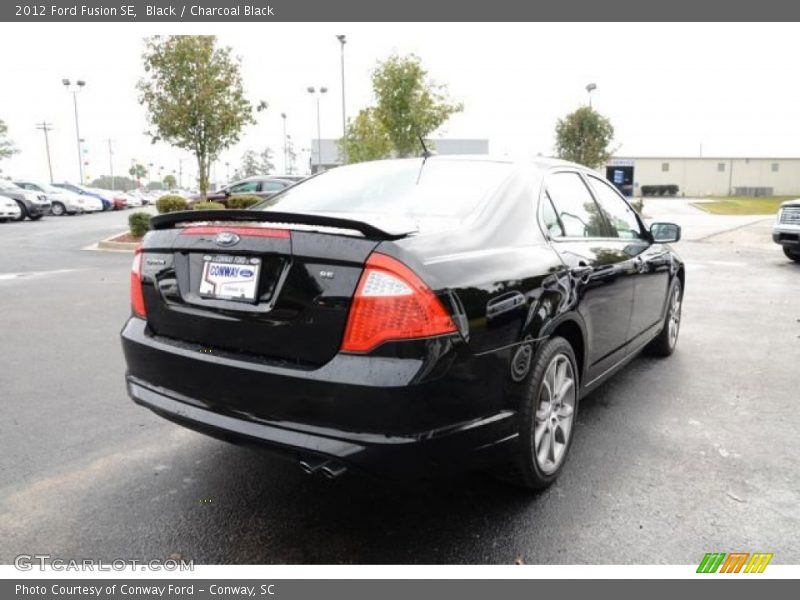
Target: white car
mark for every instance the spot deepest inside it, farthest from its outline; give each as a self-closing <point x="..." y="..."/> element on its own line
<point x="9" y="209"/>
<point x="133" y="199"/>
<point x="63" y="202"/>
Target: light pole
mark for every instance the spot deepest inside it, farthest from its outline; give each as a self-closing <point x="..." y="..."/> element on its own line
<point x="44" y="126"/>
<point x="111" y="161"/>
<point x="343" y="40"/>
<point x="313" y="91"/>
<point x="80" y="83"/>
<point x="589" y="89"/>
<point x="285" y="148"/>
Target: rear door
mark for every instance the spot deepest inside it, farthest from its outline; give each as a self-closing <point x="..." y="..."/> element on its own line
<point x="602" y="272"/>
<point x="265" y="292"/>
<point x="652" y="261"/>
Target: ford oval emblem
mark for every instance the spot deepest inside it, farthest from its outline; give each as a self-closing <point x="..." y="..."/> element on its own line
<point x="227" y="238"/>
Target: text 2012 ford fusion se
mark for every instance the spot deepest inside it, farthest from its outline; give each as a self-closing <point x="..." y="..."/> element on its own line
<point x="402" y="317"/>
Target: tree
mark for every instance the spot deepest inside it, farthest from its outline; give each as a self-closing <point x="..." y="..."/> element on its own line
<point x="250" y="165"/>
<point x="266" y="164"/>
<point x="584" y="137"/>
<point x="194" y="97"/>
<point x="138" y="171"/>
<point x="170" y="182"/>
<point x="255" y="163"/>
<point x="409" y="105"/>
<point x="120" y="183"/>
<point x="365" y="138"/>
<point x="7" y="147"/>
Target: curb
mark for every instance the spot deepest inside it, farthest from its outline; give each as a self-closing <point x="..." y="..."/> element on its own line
<point x="109" y="245"/>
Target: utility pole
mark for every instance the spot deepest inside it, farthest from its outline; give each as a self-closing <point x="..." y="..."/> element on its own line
<point x="111" y="162"/>
<point x="180" y="172"/>
<point x="44" y="126"/>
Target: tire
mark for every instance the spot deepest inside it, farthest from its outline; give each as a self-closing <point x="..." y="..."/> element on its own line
<point x="664" y="343"/>
<point x="57" y="209"/>
<point x="791" y="253"/>
<point x="23" y="212"/>
<point x="546" y="428"/>
<point x="35" y="218"/>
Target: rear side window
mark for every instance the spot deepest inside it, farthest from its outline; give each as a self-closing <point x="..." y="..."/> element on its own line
<point x="412" y="188"/>
<point x="247" y="186"/>
<point x="617" y="212"/>
<point x="575" y="207"/>
<point x="272" y="186"/>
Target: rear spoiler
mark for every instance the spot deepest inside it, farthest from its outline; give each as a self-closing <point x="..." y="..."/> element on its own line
<point x="170" y="220"/>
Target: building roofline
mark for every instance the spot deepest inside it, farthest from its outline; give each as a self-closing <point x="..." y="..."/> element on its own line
<point x="704" y="158"/>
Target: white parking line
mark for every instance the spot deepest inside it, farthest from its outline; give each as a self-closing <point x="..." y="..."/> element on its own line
<point x="10" y="276"/>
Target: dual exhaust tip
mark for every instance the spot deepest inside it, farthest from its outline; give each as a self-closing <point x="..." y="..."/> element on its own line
<point x="330" y="469"/>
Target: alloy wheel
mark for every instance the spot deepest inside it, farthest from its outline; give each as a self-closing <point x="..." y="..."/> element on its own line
<point x="553" y="418"/>
<point x="674" y="324"/>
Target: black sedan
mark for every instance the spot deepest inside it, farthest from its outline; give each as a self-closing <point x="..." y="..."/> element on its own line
<point x="402" y="317"/>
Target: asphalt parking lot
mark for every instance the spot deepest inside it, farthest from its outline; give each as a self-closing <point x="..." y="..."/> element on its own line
<point x="672" y="459"/>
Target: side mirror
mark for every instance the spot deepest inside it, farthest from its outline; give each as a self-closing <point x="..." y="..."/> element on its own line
<point x="665" y="233"/>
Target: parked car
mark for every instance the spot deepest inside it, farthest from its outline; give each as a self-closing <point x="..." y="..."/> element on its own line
<point x="63" y="202"/>
<point x="133" y="199"/>
<point x="33" y="205"/>
<point x="116" y="197"/>
<point x="258" y="185"/>
<point x="108" y="203"/>
<point x="9" y="209"/>
<point x="786" y="230"/>
<point x="403" y="316"/>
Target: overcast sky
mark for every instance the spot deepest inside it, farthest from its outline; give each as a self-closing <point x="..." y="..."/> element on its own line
<point x="667" y="88"/>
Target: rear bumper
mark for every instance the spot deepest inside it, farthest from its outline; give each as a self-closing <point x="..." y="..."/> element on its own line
<point x="369" y="413"/>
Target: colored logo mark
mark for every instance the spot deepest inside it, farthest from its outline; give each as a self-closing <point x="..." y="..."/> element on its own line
<point x="734" y="562"/>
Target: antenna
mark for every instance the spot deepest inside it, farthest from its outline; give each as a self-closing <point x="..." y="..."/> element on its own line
<point x="425" y="152"/>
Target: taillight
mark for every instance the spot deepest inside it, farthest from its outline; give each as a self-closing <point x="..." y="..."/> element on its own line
<point x="137" y="299"/>
<point x="392" y="303"/>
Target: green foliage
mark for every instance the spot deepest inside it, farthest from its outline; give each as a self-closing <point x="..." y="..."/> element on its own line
<point x="139" y="223"/>
<point x="243" y="200"/>
<point x="171" y="203"/>
<point x="7" y="147"/>
<point x="409" y="105"/>
<point x="255" y="163"/>
<point x="209" y="206"/>
<point x="365" y="138"/>
<point x="584" y="137"/>
<point x="170" y="182"/>
<point x="660" y="190"/>
<point x="137" y="171"/>
<point x="194" y="96"/>
<point x="120" y="183"/>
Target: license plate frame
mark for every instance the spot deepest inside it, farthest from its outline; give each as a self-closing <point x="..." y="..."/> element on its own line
<point x="230" y="277"/>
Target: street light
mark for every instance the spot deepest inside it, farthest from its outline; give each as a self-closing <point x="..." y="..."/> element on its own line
<point x="313" y="91"/>
<point x="79" y="84"/>
<point x="343" y="40"/>
<point x="285" y="148"/>
<point x="589" y="89"/>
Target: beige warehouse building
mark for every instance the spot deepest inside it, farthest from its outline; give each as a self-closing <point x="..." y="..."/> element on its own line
<point x="709" y="176"/>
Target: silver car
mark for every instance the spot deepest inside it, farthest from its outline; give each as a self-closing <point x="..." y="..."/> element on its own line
<point x="33" y="205"/>
<point x="63" y="202"/>
<point x="786" y="230"/>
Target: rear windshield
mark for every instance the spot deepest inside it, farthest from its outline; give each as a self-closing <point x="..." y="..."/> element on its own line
<point x="437" y="188"/>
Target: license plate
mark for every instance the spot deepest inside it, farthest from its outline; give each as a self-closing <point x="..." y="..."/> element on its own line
<point x="230" y="277"/>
